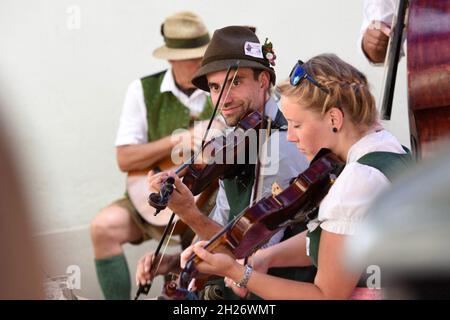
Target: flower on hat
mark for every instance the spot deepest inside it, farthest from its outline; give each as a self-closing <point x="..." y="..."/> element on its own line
<point x="268" y="53"/>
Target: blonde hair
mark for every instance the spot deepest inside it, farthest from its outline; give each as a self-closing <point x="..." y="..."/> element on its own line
<point x="348" y="90"/>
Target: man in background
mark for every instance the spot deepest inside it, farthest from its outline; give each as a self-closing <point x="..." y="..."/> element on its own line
<point x="154" y="107"/>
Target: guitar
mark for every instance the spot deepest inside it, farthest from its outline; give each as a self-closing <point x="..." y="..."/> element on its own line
<point x="138" y="192"/>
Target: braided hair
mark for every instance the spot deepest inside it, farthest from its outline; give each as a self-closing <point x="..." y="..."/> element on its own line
<point x="348" y="90"/>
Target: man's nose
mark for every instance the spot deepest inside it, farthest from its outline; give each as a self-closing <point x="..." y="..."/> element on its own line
<point x="227" y="96"/>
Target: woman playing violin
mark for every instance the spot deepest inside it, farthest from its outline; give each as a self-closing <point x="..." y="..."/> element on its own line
<point x="248" y="89"/>
<point x="327" y="104"/>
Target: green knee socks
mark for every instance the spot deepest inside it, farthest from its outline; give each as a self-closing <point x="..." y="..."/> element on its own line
<point x="114" y="277"/>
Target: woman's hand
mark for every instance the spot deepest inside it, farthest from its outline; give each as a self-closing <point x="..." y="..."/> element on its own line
<point x="212" y="263"/>
<point x="223" y="265"/>
<point x="259" y="261"/>
<point x="240" y="292"/>
<point x="217" y="263"/>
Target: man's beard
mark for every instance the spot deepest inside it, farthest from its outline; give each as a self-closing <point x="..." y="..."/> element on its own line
<point x="233" y="119"/>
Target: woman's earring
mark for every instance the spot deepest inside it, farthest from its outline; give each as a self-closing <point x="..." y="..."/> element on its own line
<point x="334" y="129"/>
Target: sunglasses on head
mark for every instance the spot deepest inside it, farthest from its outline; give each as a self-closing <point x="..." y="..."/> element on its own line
<point x="298" y="73"/>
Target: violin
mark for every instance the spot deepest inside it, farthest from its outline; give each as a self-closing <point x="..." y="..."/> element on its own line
<point x="222" y="157"/>
<point x="297" y="204"/>
<point x="137" y="185"/>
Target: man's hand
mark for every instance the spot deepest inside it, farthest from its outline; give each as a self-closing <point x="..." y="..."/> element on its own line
<point x="375" y="41"/>
<point x="169" y="263"/>
<point x="181" y="200"/>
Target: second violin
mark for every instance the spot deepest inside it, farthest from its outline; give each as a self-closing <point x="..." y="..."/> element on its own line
<point x="296" y="204"/>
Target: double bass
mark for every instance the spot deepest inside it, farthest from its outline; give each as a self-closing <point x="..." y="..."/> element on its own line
<point x="427" y="27"/>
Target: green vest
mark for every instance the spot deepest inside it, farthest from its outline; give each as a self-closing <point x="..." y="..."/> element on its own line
<point x="165" y="113"/>
<point x="238" y="192"/>
<point x="388" y="163"/>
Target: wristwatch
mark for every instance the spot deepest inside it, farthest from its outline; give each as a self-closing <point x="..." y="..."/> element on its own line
<point x="244" y="281"/>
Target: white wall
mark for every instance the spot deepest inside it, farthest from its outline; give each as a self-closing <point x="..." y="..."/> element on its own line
<point x="62" y="91"/>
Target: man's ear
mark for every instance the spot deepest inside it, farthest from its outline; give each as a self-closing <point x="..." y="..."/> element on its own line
<point x="264" y="79"/>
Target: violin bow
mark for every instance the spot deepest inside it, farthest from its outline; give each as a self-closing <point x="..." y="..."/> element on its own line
<point x="259" y="180"/>
<point x="146" y="288"/>
<point x="217" y="106"/>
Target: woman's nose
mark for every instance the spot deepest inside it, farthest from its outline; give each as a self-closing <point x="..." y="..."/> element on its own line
<point x="291" y="137"/>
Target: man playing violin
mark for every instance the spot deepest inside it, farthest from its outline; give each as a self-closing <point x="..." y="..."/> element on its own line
<point x="154" y="107"/>
<point x="247" y="89"/>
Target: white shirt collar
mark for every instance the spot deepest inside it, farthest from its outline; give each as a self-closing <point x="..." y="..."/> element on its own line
<point x="271" y="108"/>
<point x="168" y="85"/>
<point x="376" y="141"/>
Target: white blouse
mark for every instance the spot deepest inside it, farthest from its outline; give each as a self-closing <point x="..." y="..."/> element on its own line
<point x="345" y="205"/>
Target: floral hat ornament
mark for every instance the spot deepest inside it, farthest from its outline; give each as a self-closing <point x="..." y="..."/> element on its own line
<point x="268" y="53"/>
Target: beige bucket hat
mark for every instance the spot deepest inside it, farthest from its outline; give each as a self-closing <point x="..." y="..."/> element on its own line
<point x="185" y="37"/>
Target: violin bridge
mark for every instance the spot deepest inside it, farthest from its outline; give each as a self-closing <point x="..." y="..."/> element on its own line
<point x="276" y="189"/>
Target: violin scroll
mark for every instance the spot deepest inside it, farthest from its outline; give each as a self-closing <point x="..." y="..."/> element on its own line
<point x="159" y="200"/>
